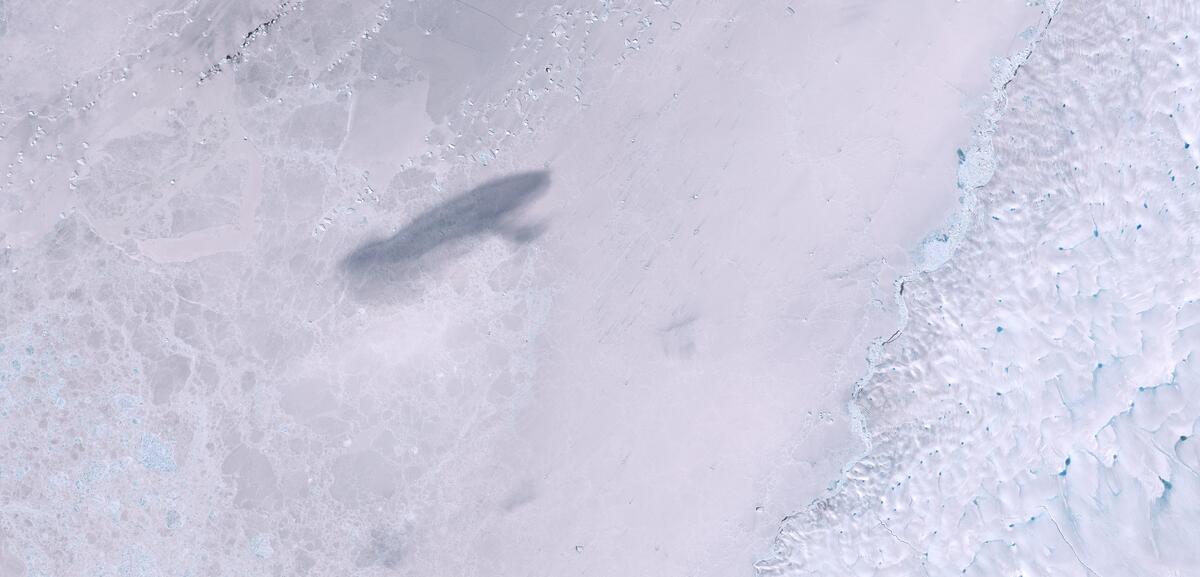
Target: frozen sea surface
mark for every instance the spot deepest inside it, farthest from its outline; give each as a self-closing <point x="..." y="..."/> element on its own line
<point x="1038" y="413"/>
<point x="515" y="288"/>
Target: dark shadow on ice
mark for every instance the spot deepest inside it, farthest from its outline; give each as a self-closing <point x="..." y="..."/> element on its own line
<point x="484" y="209"/>
<point x="490" y="208"/>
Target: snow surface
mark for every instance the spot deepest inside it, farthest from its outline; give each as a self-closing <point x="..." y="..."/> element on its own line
<point x="1037" y="414"/>
<point x="385" y="287"/>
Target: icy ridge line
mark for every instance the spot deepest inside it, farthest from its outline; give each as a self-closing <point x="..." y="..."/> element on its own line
<point x="976" y="168"/>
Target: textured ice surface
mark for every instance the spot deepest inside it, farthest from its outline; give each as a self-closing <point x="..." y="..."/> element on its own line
<point x="1038" y="413"/>
<point x="458" y="287"/>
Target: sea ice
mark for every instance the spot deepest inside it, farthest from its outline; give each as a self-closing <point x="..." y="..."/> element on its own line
<point x="503" y="287"/>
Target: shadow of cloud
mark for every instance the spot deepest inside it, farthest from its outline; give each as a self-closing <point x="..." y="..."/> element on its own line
<point x="488" y="209"/>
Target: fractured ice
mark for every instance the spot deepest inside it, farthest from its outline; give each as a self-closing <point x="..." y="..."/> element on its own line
<point x="1038" y="414"/>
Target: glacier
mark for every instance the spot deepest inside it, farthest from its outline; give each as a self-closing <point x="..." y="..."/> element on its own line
<point x="1037" y="413"/>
